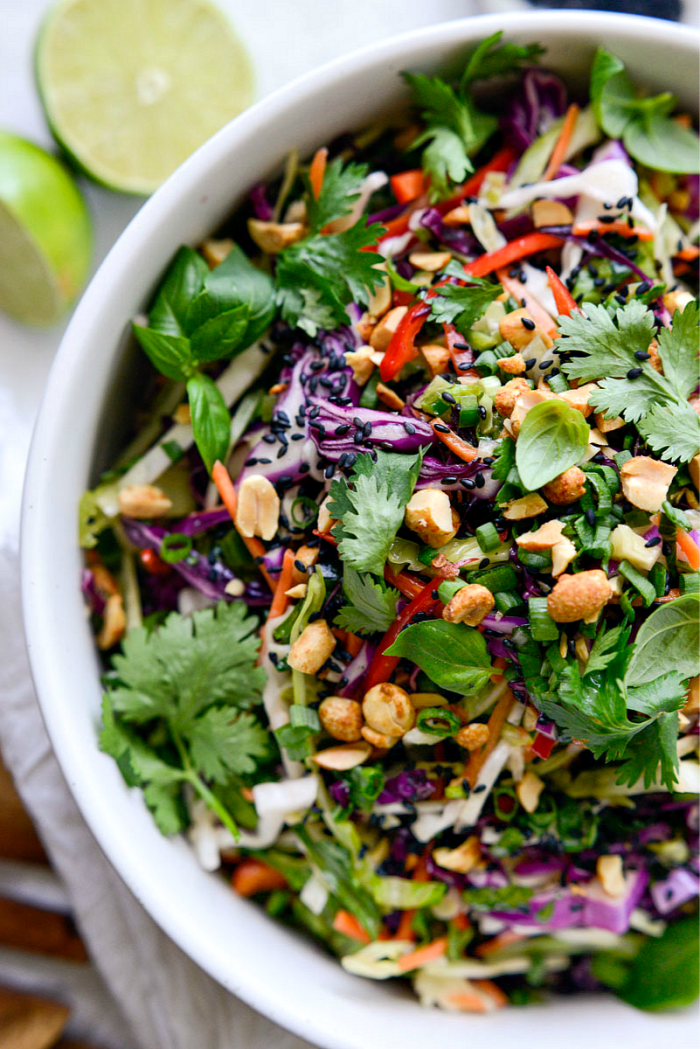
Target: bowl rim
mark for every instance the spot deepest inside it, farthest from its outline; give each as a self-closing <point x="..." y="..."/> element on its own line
<point x="65" y="374"/>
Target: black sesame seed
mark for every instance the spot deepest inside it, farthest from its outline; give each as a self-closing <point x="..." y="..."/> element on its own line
<point x="304" y="468"/>
<point x="282" y="451"/>
<point x="482" y="412"/>
<point x="265" y="462"/>
<point x="484" y="562"/>
<point x="357" y="437"/>
<point x="543" y="365"/>
<point x="461" y="346"/>
<point x="606" y="219"/>
<point x="329" y="471"/>
<point x="599" y="282"/>
<point x="480" y="788"/>
<point x="340" y="430"/>
<point x="297" y="436"/>
<point x="434" y="594"/>
<point x="315" y="411"/>
<point x="409" y="428"/>
<point x="634" y="373"/>
<point x="447" y="396"/>
<point x="467" y="483"/>
<point x="642" y="355"/>
<point x="359" y="423"/>
<point x="590" y="517"/>
<point x="251" y="462"/>
<point x="449" y="480"/>
<point x="441" y="428"/>
<point x="530" y="363"/>
<point x="367" y="429"/>
<point x="654" y="541"/>
<point x="528" y="323"/>
<point x="300" y="566"/>
<point x="487" y="460"/>
<point x="464" y="366"/>
<point x="479" y="480"/>
<point x="622" y="299"/>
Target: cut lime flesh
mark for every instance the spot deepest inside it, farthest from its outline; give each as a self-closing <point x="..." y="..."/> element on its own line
<point x="132" y="87"/>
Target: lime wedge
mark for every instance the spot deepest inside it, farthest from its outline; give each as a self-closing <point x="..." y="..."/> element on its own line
<point x="132" y="87"/>
<point x="45" y="233"/>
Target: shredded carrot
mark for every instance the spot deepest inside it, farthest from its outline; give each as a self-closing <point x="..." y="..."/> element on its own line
<point x="467" y="1002"/>
<point x="349" y="926"/>
<point x="280" y="599"/>
<point x="404" y="930"/>
<point x="493" y="991"/>
<point x="221" y="478"/>
<point x="517" y="249"/>
<point x="683" y="120"/>
<point x="499" y="664"/>
<point x="461" y="448"/>
<point x="582" y="229"/>
<point x="353" y="644"/>
<point x="252" y="876"/>
<point x="423" y="955"/>
<point x="408" y="185"/>
<point x="500" y="161"/>
<point x="523" y="297"/>
<point x="495" y="723"/>
<point x="688" y="254"/>
<point x="565" y="302"/>
<point x="317" y="170"/>
<point x="504" y="939"/>
<point x="673" y="593"/>
<point x="689" y="548"/>
<point x="562" y="144"/>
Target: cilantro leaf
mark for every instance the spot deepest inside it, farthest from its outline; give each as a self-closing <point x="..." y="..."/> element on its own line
<point x="370" y="513"/>
<point x="372" y="607"/>
<point x="672" y="431"/>
<point x="222" y="743"/>
<point x="679" y="347"/>
<point x="462" y="306"/>
<point x="320" y="275"/>
<point x="606" y="648"/>
<point x="488" y="60"/>
<point x="174" y="714"/>
<point x="601" y="347"/>
<point x="340" y="189"/>
<point x="655" y="746"/>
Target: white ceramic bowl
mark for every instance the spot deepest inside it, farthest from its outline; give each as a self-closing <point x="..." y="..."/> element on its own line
<point x="283" y="976"/>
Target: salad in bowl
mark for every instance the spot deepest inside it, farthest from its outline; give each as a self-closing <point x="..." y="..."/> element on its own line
<point x="397" y="582"/>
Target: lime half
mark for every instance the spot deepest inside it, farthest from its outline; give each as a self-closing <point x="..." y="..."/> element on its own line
<point x="132" y="87"/>
<point x="45" y="233"/>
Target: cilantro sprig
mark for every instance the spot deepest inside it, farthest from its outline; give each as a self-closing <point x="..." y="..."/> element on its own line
<point x="176" y="711"/>
<point x="370" y="508"/>
<point x="604" y="349"/>
<point x="372" y="606"/>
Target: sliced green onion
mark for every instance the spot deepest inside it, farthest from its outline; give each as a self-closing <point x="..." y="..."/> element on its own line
<point x="175" y="547"/>
<point x="487" y="537"/>
<point x="689" y="583"/>
<point x="438" y="721"/>
<point x="397" y="281"/>
<point x="501" y="577"/>
<point x="676" y="516"/>
<point x="448" y="588"/>
<point x="641" y="584"/>
<point x="542" y="626"/>
<point x="557" y="383"/>
<point x="304" y="716"/>
<point x="368" y="397"/>
<point x="283" y="631"/>
<point x="508" y="795"/>
<point x="657" y="578"/>
<point x="306" y="503"/>
<point x="505" y="601"/>
<point x="173" y="451"/>
<point x="533" y="559"/>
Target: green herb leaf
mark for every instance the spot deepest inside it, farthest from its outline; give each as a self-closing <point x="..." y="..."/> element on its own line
<point x="664" y="973"/>
<point x="553" y="437"/>
<point x="453" y="655"/>
<point x="488" y="60"/>
<point x="672" y="430"/>
<point x="372" y="607"/>
<point x="606" y="648"/>
<point x="667" y="641"/>
<point x="662" y="145"/>
<point x="679" y="347"/>
<point x="334" y="864"/>
<point x="508" y="898"/>
<point x="612" y="93"/>
<point x="170" y="354"/>
<point x="183" y="281"/>
<point x="462" y="306"/>
<point x="222" y="743"/>
<point x="370" y="513"/>
<point x="211" y="422"/>
<point x="339" y="191"/>
<point x="219" y="334"/>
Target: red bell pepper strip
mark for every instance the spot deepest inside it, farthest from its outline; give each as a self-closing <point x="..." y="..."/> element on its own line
<point x="500" y="161"/>
<point x="462" y="358"/>
<point x="512" y="252"/>
<point x="563" y="299"/>
<point x="382" y="667"/>
<point x="408" y="185"/>
<point x="410" y="586"/>
<point x="402" y="348"/>
<point x="543" y="745"/>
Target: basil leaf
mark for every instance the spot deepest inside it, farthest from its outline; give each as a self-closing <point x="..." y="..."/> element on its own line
<point x="664" y="975"/>
<point x="667" y="641"/>
<point x="237" y="281"/>
<point x="612" y="93"/>
<point x="182" y="282"/>
<point x="662" y="145"/>
<point x="453" y="655"/>
<point x="170" y="354"/>
<point x="552" y="438"/>
<point x="220" y="336"/>
<point x="211" y="422"/>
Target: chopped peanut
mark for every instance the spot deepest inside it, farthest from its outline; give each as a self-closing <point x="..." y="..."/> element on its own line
<point x="520" y="335"/>
<point x="527" y="400"/>
<point x="692" y="706"/>
<point x="389" y="397"/>
<point x="113" y="622"/>
<point x="550" y="213"/>
<point x="528" y="790"/>
<point x="382" y="332"/>
<point x="544" y="538"/>
<point x="462" y="859"/>
<point x="182" y="415"/>
<point x="344" y="757"/>
<point x="341" y="718"/>
<point x="324" y="520"/>
<point x="694" y="470"/>
<point x="459" y="216"/>
<point x="360" y="360"/>
<point x="432" y="261"/>
<point x="566" y="488"/>
<point x="215" y="251"/>
<point x="258" y="508"/>
<point x="579" y="398"/>
<point x="437" y="358"/>
<point x="430" y="515"/>
<point x="143" y="501"/>
<point x="387" y="708"/>
<point x="563" y="553"/>
<point x="380" y="740"/>
<point x="677" y="300"/>
<point x="312" y="648"/>
<point x="505" y="398"/>
<point x="295" y="592"/>
<point x="307" y="556"/>
<point x="514" y="365"/>
<point x="645" y="481"/>
<point x="606" y="425"/>
<point x="469" y="605"/>
<point x="580" y="596"/>
<point x="473" y="736"/>
<point x="655" y="357"/>
<point x="529" y="505"/>
<point x="380" y="299"/>
<point x="611" y="875"/>
<point x="273" y="237"/>
<point x="421" y="700"/>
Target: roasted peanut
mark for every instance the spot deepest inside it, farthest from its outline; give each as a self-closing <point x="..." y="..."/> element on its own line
<point x="387" y="708"/>
<point x="380" y="740"/>
<point x="529" y="505"/>
<point x="504" y="401"/>
<point x="113" y="622"/>
<point x="566" y="487"/>
<point x="462" y="859"/>
<point x="579" y="398"/>
<point x="382" y="332"/>
<point x="645" y="481"/>
<point x="514" y="365"/>
<point x="611" y="874"/>
<point x="312" y="648"/>
<point x="306" y="556"/>
<point x="469" y="605"/>
<point x="258" y="508"/>
<point x="360" y="360"/>
<point x="344" y="757"/>
<point x="437" y="358"/>
<point x="215" y="251"/>
<point x="430" y="515"/>
<point x="528" y="791"/>
<point x="473" y="736"/>
<point x="273" y="237"/>
<point x="432" y="261"/>
<point x="341" y="718"/>
<point x="518" y="334"/>
<point x="143" y="501"/>
<point x="550" y="213"/>
<point x="580" y="596"/>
